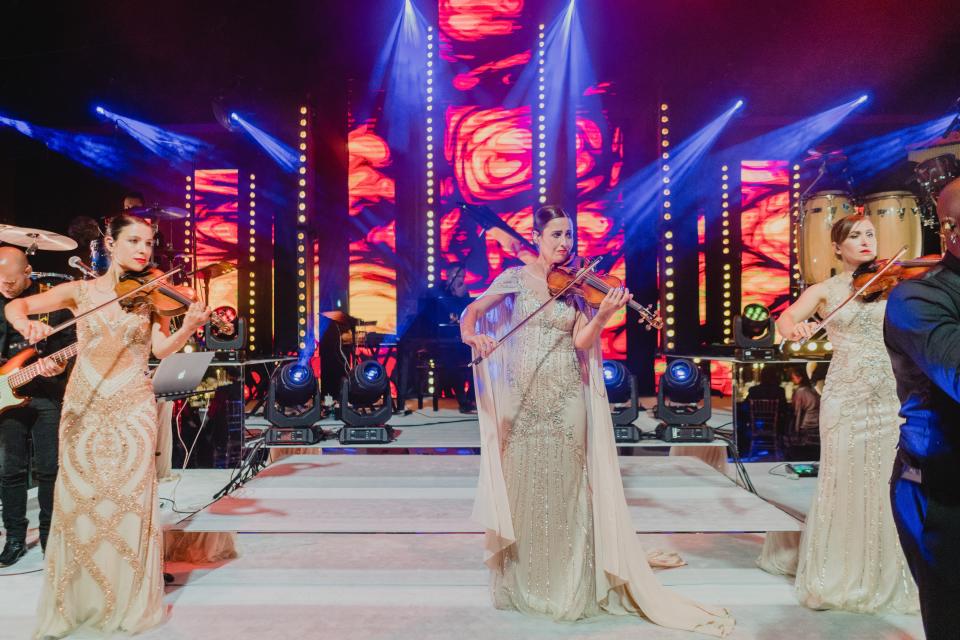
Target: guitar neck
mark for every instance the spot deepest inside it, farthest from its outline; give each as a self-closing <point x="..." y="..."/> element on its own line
<point x="31" y="371"/>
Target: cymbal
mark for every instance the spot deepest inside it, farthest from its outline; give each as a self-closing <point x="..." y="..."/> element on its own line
<point x="340" y="318"/>
<point x="215" y="270"/>
<point x="157" y="212"/>
<point x="34" y="239"/>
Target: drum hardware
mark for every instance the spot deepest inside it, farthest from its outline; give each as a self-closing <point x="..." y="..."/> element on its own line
<point x="48" y="279"/>
<point x="156" y="212"/>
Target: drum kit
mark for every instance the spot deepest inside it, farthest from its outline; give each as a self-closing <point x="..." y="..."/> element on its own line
<point x="899" y="216"/>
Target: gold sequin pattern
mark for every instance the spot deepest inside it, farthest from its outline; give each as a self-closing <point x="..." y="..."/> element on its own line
<point x="103" y="556"/>
<point x="850" y="555"/>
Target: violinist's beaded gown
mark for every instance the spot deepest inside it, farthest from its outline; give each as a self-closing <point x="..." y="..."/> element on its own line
<point x="103" y="559"/>
<point x="850" y="555"/>
<point x="560" y="542"/>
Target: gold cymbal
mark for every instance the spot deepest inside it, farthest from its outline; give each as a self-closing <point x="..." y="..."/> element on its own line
<point x="34" y="239"/>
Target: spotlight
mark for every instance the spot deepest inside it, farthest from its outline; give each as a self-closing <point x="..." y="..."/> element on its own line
<point x="101" y="111"/>
<point x="862" y="99"/>
<point x="234" y="116"/>
<point x="622" y="390"/>
<point x="754" y="333"/>
<point x="683" y="403"/>
<point x="217" y="340"/>
<point x="366" y="405"/>
<point x="293" y="406"/>
<point x="738" y="104"/>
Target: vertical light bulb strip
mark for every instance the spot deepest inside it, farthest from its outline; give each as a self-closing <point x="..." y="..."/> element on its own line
<point x="251" y="267"/>
<point x="541" y="147"/>
<point x="668" y="239"/>
<point x="727" y="297"/>
<point x="301" y="229"/>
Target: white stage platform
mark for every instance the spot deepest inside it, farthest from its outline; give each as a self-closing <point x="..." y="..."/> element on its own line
<point x="367" y="546"/>
<point x="434" y="494"/>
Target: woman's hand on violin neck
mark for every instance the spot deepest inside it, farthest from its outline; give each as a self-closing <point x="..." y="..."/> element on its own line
<point x="615" y="300"/>
<point x="34" y="330"/>
<point x="198" y="314"/>
<point x="481" y="343"/>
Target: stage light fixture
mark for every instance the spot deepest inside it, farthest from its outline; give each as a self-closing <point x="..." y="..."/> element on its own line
<point x="365" y="405"/>
<point x="683" y="403"/>
<point x="293" y="406"/>
<point x="754" y="331"/>
<point x="101" y="111"/>
<point x="624" y="400"/>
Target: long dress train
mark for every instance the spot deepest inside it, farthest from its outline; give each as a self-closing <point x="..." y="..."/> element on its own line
<point x="560" y="541"/>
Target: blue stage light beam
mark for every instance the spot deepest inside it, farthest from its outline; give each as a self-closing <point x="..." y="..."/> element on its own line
<point x="870" y="157"/>
<point x="170" y="146"/>
<point x="641" y="191"/>
<point x="281" y="153"/>
<point x="791" y="141"/>
<point x="99" y="153"/>
<point x="400" y="76"/>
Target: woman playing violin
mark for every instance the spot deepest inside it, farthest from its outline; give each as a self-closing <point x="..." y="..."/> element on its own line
<point x="550" y="495"/>
<point x="849" y="555"/>
<point x="103" y="558"/>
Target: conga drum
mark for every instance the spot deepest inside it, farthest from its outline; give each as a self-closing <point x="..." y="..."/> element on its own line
<point x="819" y="212"/>
<point x="896" y="217"/>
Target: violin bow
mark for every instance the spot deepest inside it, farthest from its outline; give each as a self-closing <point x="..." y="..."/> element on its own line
<point x="820" y="325"/>
<point x="587" y="268"/>
<point x="75" y="319"/>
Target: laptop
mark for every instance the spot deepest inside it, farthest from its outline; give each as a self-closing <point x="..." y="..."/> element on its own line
<point x="180" y="373"/>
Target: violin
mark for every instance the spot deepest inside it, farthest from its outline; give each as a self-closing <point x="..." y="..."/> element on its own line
<point x="593" y="287"/>
<point x="901" y="270"/>
<point x="164" y="299"/>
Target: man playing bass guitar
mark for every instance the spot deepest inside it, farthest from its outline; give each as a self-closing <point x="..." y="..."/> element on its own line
<point x="38" y="419"/>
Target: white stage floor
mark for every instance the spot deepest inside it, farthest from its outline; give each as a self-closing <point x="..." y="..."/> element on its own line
<point x="434" y="494"/>
<point x="430" y="585"/>
<point x="434" y="587"/>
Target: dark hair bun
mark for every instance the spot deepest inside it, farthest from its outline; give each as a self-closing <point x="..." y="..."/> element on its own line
<point x="543" y="216"/>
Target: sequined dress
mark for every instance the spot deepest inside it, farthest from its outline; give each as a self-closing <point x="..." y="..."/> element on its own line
<point x="550" y="569"/>
<point x="560" y="541"/>
<point x="103" y="558"/>
<point x="850" y="555"/>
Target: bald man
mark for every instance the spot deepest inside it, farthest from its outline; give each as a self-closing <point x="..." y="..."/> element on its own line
<point x="37" y="421"/>
<point x="922" y="333"/>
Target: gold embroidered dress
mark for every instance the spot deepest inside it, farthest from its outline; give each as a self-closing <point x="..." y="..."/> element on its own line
<point x="850" y="556"/>
<point x="103" y="564"/>
<point x="559" y="538"/>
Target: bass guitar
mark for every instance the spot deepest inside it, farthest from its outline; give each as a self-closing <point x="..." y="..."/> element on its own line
<point x="13" y="374"/>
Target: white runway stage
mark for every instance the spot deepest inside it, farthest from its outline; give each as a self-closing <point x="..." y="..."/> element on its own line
<point x="381" y="546"/>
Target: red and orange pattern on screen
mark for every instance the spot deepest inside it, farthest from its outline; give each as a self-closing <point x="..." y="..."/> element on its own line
<point x="765" y="233"/>
<point x="373" y="219"/>
<point x="599" y="162"/>
<point x="216" y="201"/>
<point x="487" y="147"/>
<point x="488" y="151"/>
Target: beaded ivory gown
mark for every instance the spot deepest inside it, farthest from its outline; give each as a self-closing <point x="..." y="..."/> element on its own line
<point x="560" y="541"/>
<point x="103" y="565"/>
<point x="850" y="555"/>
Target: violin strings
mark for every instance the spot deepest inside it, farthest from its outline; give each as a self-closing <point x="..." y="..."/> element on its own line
<point x="602" y="285"/>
